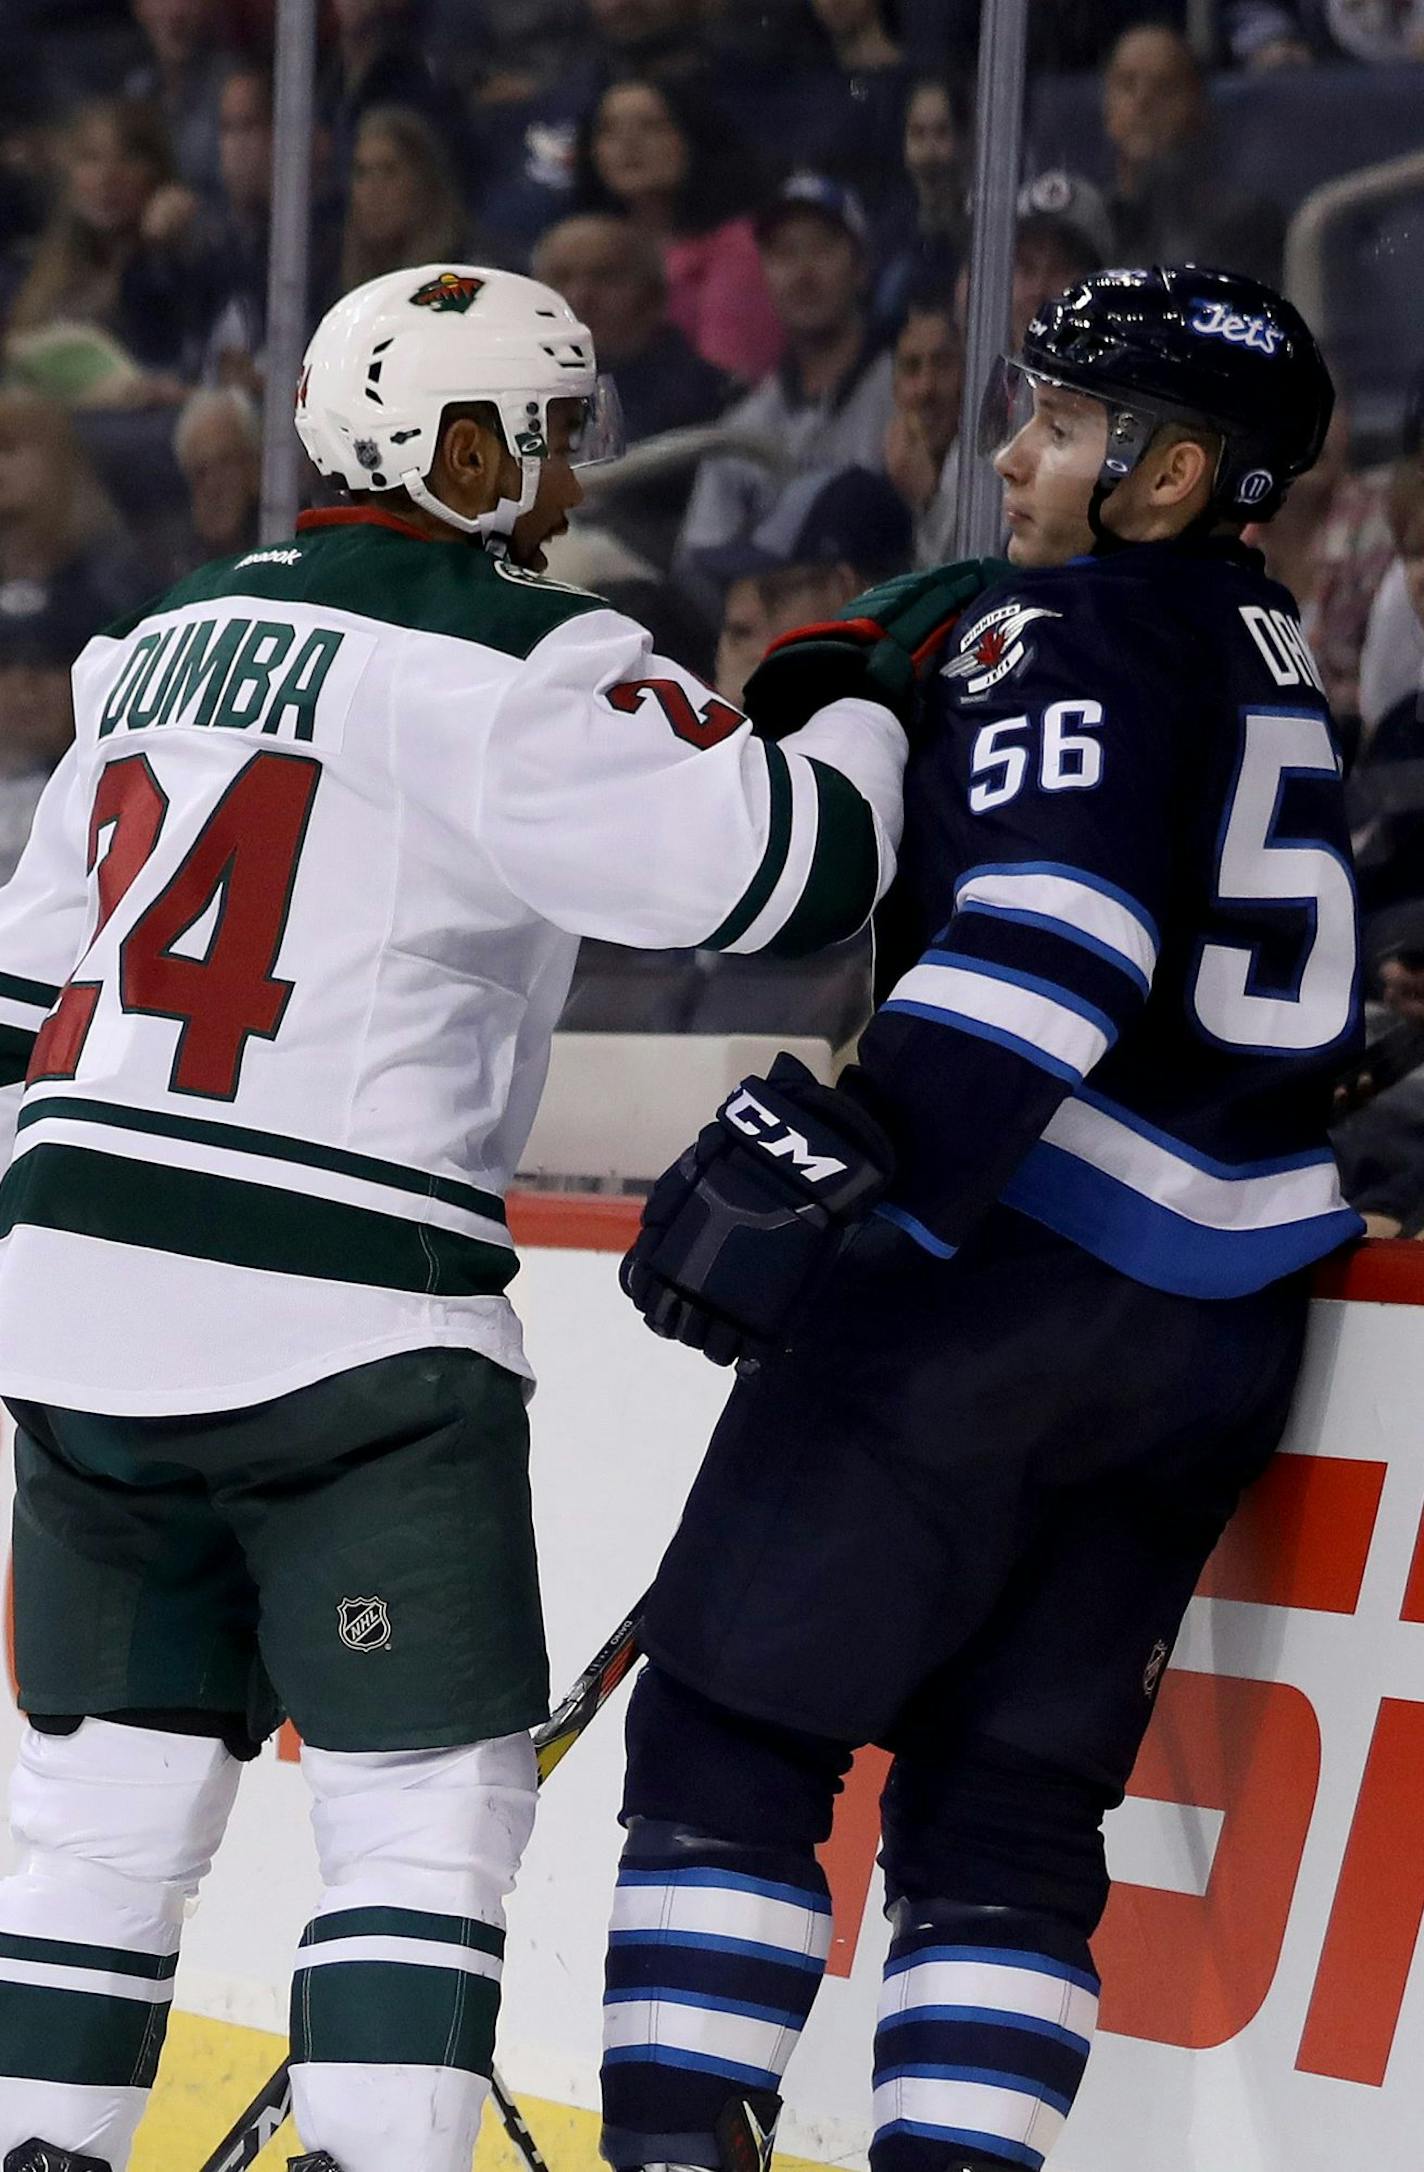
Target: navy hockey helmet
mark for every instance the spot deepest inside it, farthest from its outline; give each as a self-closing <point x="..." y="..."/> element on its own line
<point x="1177" y="343"/>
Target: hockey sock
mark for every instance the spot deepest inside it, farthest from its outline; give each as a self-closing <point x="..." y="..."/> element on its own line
<point x="119" y="1824"/>
<point x="715" y="1955"/>
<point x="397" y="1981"/>
<point x="980" y="2046"/>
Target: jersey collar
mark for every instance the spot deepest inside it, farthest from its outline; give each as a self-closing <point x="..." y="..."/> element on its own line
<point x="362" y="516"/>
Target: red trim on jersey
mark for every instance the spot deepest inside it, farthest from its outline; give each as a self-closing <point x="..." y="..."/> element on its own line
<point x="361" y="516"/>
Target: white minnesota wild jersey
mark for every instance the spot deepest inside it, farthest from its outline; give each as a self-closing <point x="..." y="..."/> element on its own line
<point x="298" y="915"/>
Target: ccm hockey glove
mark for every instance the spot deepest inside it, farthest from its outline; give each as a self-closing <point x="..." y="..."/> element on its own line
<point x="738" y="1233"/>
<point x="881" y="646"/>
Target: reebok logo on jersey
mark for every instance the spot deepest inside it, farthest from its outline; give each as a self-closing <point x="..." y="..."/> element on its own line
<point x="364" y="1623"/>
<point x="755" y="1121"/>
<point x="994" y="646"/>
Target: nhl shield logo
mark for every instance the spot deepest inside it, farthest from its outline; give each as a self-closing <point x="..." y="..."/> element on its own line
<point x="452" y="293"/>
<point x="364" y="1623"/>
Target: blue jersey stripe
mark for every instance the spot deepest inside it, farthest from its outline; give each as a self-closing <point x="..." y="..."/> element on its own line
<point x="975" y="1026"/>
<point x="694" y="2062"/>
<point x="1032" y="983"/>
<point x="1037" y="1964"/>
<point x="971" y="2138"/>
<point x="983" y="2077"/>
<point x="731" y="1881"/>
<point x="1044" y="923"/>
<point x="1154" y="1245"/>
<point x="711" y="1942"/>
<point x="1099" y="883"/>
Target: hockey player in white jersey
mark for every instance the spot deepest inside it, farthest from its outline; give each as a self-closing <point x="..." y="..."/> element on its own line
<point x="278" y="973"/>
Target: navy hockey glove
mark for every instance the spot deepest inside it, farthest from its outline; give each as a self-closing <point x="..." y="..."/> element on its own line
<point x="738" y="1233"/>
<point x="881" y="646"/>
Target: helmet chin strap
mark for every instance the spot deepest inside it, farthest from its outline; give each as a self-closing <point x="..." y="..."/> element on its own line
<point x="495" y="526"/>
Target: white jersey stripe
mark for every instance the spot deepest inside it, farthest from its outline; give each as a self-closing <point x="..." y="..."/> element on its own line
<point x="796" y="868"/>
<point x="1078" y="906"/>
<point x="956" y="993"/>
<point x="969" y="2107"/>
<point x="1014" y="1992"/>
<point x="737" y="2038"/>
<point x="302" y="1178"/>
<point x="1172" y="1182"/>
<point x="95" y="1982"/>
<point x="412" y="1952"/>
<point x="721" y="1911"/>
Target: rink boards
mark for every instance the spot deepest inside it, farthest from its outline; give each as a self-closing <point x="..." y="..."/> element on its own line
<point x="1260" y="1996"/>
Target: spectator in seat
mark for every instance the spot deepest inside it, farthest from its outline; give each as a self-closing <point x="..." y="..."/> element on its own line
<point x="922" y="237"/>
<point x="1052" y="249"/>
<point x="829" y="402"/>
<point x="611" y="273"/>
<point x="1331" y="546"/>
<point x="37" y="649"/>
<point x="870" y="87"/>
<point x="669" y="157"/>
<point x="922" y="437"/>
<point x="1387" y="784"/>
<point x="1168" y="207"/>
<point x="240" y="231"/>
<point x="115" y="252"/>
<point x="64" y="573"/>
<point x="378" y="60"/>
<point x="183" y="77"/>
<point x="1379" y="1132"/>
<point x="403" y="205"/>
<point x="1377" y="30"/>
<point x="533" y="145"/>
<point x="218" y="445"/>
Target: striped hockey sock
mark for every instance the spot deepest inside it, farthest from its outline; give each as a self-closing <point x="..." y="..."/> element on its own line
<point x="979" y="2048"/>
<point x="86" y="1986"/>
<point x="390" y="2005"/>
<point x="715" y="1956"/>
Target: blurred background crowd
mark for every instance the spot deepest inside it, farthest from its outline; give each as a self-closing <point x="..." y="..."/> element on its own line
<point x="761" y="209"/>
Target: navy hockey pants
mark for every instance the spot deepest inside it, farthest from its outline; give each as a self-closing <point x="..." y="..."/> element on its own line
<point x="962" y="1517"/>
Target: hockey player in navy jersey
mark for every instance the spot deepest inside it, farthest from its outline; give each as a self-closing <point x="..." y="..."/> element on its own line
<point x="1026" y="1290"/>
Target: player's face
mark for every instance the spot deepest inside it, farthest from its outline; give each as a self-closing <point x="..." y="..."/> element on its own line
<point x="559" y="492"/>
<point x="1048" y="469"/>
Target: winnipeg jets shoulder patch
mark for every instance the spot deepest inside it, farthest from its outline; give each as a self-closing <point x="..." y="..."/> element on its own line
<point x="994" y="646"/>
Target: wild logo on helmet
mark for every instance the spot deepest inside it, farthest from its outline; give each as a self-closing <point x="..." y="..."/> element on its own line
<point x="452" y="292"/>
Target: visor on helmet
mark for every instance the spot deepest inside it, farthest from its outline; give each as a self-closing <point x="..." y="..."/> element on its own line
<point x="598" y="434"/>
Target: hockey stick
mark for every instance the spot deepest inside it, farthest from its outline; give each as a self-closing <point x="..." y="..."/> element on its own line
<point x="552" y="1742"/>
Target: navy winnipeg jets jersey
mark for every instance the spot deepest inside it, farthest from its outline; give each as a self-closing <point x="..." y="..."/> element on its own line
<point x="1120" y="961"/>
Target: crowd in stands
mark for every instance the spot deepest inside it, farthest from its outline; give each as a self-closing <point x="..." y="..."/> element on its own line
<point x="762" y="210"/>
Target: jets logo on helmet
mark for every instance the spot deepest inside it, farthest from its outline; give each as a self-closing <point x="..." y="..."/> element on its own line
<point x="451" y="291"/>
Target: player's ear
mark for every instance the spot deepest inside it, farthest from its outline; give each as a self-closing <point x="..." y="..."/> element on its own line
<point x="1181" y="469"/>
<point x="469" y="465"/>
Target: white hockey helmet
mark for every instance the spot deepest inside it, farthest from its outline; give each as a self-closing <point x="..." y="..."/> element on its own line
<point x="389" y="358"/>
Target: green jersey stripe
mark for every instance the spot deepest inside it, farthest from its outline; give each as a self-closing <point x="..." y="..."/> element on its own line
<point x="112" y="1960"/>
<point x="16" y="1049"/>
<point x="275" y="1145"/>
<point x="839" y="892"/>
<point x="38" y="992"/>
<point x="188" y="1211"/>
<point x="773" y="860"/>
<point x="394" y="2013"/>
<point x="405" y="1923"/>
<point x="79" y="2037"/>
